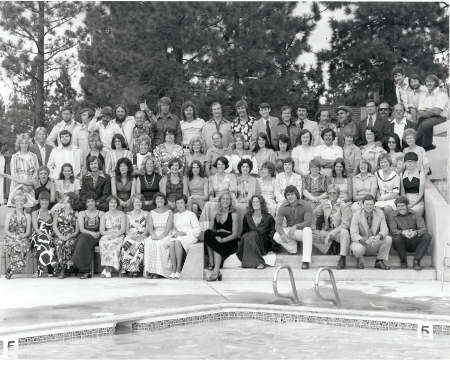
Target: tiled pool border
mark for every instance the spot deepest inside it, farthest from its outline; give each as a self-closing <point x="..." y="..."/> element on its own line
<point x="153" y="321"/>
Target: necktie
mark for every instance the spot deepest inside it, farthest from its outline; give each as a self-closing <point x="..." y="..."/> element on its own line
<point x="369" y="223"/>
<point x="370" y="122"/>
<point x="269" y="135"/>
<point x="301" y="124"/>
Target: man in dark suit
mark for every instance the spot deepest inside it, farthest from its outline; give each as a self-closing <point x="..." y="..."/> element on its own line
<point x="40" y="147"/>
<point x="380" y="125"/>
<point x="399" y="124"/>
<point x="102" y="185"/>
<point x="266" y="124"/>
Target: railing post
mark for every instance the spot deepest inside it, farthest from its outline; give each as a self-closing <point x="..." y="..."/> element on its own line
<point x="294" y="300"/>
<point x="336" y="303"/>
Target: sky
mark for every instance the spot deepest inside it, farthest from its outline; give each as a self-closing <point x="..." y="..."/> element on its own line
<point x="320" y="39"/>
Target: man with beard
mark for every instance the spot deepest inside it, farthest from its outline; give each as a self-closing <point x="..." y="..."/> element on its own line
<point x="65" y="153"/>
<point x="163" y="120"/>
<point x="40" y="147"/>
<point x="67" y="123"/>
<point x="125" y="122"/>
<point x="414" y="94"/>
<point x="345" y="115"/>
<point x="304" y="123"/>
<point x="106" y="127"/>
<point x="81" y="134"/>
<point x="243" y="124"/>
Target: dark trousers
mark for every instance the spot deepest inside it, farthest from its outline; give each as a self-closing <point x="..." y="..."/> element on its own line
<point x="417" y="244"/>
<point x="425" y="130"/>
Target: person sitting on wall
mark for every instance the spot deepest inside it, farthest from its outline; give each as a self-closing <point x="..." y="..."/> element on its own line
<point x="370" y="234"/>
<point x="298" y="216"/>
<point x="409" y="233"/>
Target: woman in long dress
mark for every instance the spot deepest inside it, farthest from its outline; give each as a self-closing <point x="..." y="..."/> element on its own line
<point x="198" y="187"/>
<point x="132" y="252"/>
<point x="303" y="153"/>
<point x="257" y="235"/>
<point x="147" y="183"/>
<point x="165" y="152"/>
<point x="185" y="233"/>
<point x="123" y="184"/>
<point x="118" y="150"/>
<point x="17" y="233"/>
<point x="221" y="238"/>
<point x="42" y="237"/>
<point x="157" y="262"/>
<point x="89" y="237"/>
<point x="24" y="165"/>
<point x="112" y="228"/>
<point x="267" y="186"/>
<point x="65" y="226"/>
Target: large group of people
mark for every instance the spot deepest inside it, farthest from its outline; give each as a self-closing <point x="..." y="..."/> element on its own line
<point x="146" y="188"/>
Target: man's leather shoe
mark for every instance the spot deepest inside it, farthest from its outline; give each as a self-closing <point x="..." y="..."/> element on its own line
<point x="379" y="264"/>
<point x="416" y="265"/>
<point x="305" y="266"/>
<point x="404" y="264"/>
<point x="341" y="265"/>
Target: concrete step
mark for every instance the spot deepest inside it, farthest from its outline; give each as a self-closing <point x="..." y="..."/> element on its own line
<point x="367" y="274"/>
<point x="331" y="260"/>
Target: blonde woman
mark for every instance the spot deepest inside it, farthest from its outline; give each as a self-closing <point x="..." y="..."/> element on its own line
<point x="196" y="152"/>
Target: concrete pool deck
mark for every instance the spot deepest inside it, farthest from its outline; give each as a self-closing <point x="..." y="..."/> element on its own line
<point x="26" y="301"/>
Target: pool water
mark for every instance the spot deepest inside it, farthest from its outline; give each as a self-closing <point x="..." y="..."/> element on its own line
<point x="246" y="339"/>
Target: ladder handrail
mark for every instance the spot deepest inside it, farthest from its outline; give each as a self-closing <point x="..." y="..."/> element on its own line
<point x="337" y="303"/>
<point x="293" y="299"/>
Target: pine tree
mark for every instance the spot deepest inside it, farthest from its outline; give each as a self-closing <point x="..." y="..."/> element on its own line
<point x="378" y="37"/>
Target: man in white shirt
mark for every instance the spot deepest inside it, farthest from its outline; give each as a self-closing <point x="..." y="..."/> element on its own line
<point x="81" y="134"/>
<point x="125" y="122"/>
<point x="67" y="123"/>
<point x="191" y="124"/>
<point x="433" y="110"/>
<point x="414" y="94"/>
<point x="65" y="153"/>
<point x="41" y="148"/>
<point x="304" y="123"/>
<point x="327" y="152"/>
<point x="401" y="85"/>
<point x="105" y="127"/>
<point x="400" y="123"/>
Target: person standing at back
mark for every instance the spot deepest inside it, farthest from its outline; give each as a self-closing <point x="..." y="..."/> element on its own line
<point x="380" y="125"/>
<point x="191" y="125"/>
<point x="40" y="146"/>
<point x="216" y="124"/>
<point x="164" y="120"/>
<point x="80" y="136"/>
<point x="243" y="124"/>
<point x="304" y="123"/>
<point x="266" y="124"/>
<point x="67" y="123"/>
<point x="125" y="122"/>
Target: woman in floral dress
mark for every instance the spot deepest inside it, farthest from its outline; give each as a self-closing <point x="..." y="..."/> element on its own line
<point x="132" y="252"/>
<point x="157" y="262"/>
<point x="42" y="238"/>
<point x="17" y="231"/>
<point x="65" y="226"/>
<point x="165" y="152"/>
<point x="112" y="228"/>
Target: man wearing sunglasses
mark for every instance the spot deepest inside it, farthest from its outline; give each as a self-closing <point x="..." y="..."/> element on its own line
<point x="384" y="110"/>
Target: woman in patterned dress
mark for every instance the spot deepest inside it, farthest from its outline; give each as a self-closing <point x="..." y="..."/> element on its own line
<point x="198" y="188"/>
<point x="123" y="185"/>
<point x="65" y="226"/>
<point x="24" y="165"/>
<point x="112" y="227"/>
<point x="173" y="183"/>
<point x="371" y="151"/>
<point x="89" y="224"/>
<point x="118" y="150"/>
<point x="17" y="232"/>
<point x="339" y="177"/>
<point x="132" y="252"/>
<point x="165" y="152"/>
<point x="157" y="262"/>
<point x="263" y="151"/>
<point x="267" y="186"/>
<point x="66" y="183"/>
<point x="42" y="237"/>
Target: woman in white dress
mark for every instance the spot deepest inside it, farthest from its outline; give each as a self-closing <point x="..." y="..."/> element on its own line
<point x="388" y="185"/>
<point x="118" y="150"/>
<point x="303" y="153"/>
<point x="185" y="234"/>
<point x="267" y="186"/>
<point x="157" y="263"/>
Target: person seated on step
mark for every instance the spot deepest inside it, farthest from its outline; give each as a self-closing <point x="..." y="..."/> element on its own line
<point x="336" y="215"/>
<point x="298" y="214"/>
<point x="409" y="233"/>
<point x="370" y="234"/>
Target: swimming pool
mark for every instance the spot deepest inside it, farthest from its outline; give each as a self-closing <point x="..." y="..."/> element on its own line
<point x="246" y="339"/>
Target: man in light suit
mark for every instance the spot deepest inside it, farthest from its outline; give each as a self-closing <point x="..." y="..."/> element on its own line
<point x="266" y="124"/>
<point x="370" y="234"/>
<point x="40" y="147"/>
<point x="380" y="125"/>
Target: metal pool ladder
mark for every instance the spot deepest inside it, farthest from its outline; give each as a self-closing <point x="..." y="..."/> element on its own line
<point x="294" y="299"/>
<point x="336" y="303"/>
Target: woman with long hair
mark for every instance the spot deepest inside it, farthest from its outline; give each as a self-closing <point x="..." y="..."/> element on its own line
<point x="371" y="151"/>
<point x="238" y="152"/>
<point x="267" y="186"/>
<point x="339" y="177"/>
<point x="286" y="178"/>
<point x="198" y="188"/>
<point x="303" y="153"/>
<point x="257" y="234"/>
<point x="66" y="183"/>
<point x="394" y="149"/>
<point x="263" y="151"/>
<point x="196" y="152"/>
<point x="118" y="150"/>
<point x="221" y="238"/>
<point x="96" y="150"/>
<point x="283" y="151"/>
<point x="123" y="184"/>
<point x="173" y="183"/>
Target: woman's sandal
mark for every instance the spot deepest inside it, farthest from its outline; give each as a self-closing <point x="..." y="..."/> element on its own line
<point x="86" y="276"/>
<point x="211" y="266"/>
